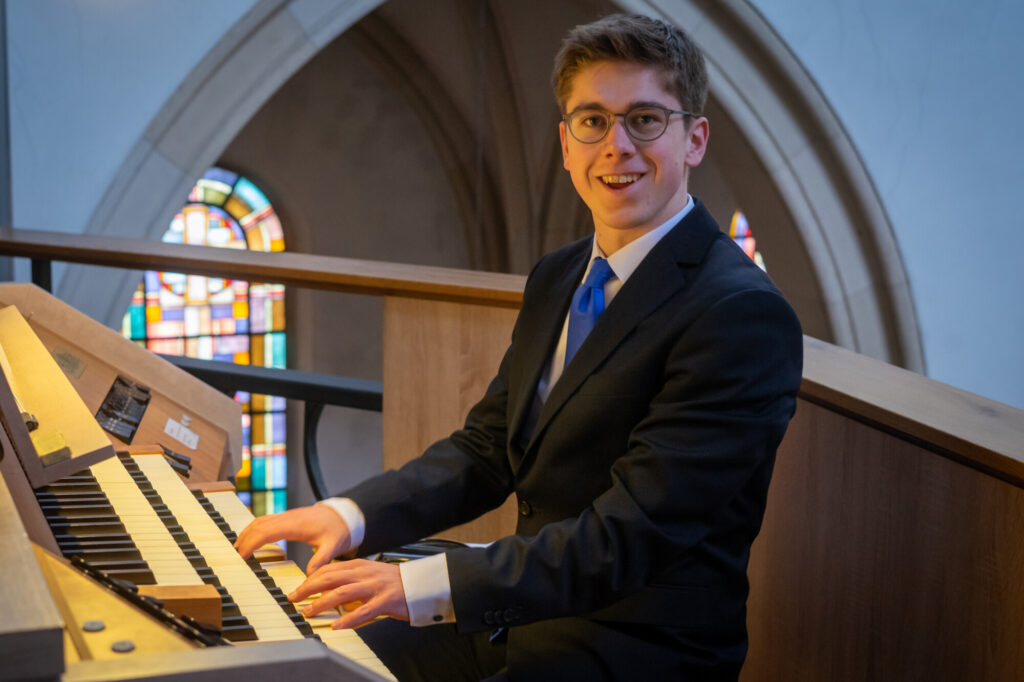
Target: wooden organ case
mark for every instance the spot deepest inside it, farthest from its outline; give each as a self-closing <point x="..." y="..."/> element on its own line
<point x="71" y="489"/>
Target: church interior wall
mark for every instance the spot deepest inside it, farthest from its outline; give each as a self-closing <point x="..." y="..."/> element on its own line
<point x="929" y="92"/>
<point x="352" y="172"/>
<point x="85" y="80"/>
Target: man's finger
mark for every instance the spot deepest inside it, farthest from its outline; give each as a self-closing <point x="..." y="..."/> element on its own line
<point x="336" y="597"/>
<point x="325" y="578"/>
<point x="252" y="537"/>
<point x="361" y="616"/>
<point x="264" y="529"/>
<point x="321" y="558"/>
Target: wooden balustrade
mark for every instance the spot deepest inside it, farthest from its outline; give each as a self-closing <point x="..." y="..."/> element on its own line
<point x="892" y="545"/>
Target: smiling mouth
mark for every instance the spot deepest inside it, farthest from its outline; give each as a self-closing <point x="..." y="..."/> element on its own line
<point x="620" y="181"/>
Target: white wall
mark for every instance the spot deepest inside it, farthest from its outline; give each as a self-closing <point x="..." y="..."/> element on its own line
<point x="85" y="80"/>
<point x="931" y="92"/>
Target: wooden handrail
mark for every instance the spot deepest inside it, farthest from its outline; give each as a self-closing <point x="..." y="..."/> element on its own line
<point x="982" y="433"/>
<point x="349" y="275"/>
<point x="979" y="432"/>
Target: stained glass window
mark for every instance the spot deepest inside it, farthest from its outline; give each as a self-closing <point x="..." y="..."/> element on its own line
<point x="739" y="230"/>
<point x="229" y="320"/>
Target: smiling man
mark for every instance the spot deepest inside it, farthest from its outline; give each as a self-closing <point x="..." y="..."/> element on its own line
<point x="651" y="375"/>
<point x="633" y="176"/>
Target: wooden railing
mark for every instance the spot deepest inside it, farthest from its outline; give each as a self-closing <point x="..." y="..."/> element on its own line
<point x="893" y="543"/>
<point x="349" y="275"/>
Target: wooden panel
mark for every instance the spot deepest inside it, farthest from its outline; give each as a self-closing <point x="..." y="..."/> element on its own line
<point x="988" y="434"/>
<point x="67" y="434"/>
<point x="31" y="630"/>
<point x="881" y="560"/>
<point x="92" y="357"/>
<point x="32" y="520"/>
<point x="263" y="662"/>
<point x="438" y="359"/>
<point x="81" y="599"/>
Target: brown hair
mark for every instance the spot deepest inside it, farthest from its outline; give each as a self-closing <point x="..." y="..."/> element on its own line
<point x="639" y="39"/>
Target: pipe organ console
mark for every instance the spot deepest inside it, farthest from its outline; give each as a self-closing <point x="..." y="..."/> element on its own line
<point x="159" y="591"/>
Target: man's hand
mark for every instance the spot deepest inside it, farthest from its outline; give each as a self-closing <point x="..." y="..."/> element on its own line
<point x="377" y="585"/>
<point x="316" y="525"/>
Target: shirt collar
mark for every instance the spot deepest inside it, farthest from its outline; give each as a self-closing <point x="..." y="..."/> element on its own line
<point x="627" y="259"/>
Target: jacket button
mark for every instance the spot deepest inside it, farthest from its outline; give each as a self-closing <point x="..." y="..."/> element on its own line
<point x="524" y="508"/>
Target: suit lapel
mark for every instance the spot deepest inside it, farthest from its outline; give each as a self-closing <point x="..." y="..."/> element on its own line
<point x="657" y="278"/>
<point x="541" y="330"/>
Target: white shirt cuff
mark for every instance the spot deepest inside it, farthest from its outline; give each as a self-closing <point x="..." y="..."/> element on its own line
<point x="352" y="515"/>
<point x="428" y="593"/>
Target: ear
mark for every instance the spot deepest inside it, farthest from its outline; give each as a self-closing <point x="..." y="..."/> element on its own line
<point x="562" y="135"/>
<point x="697" y="141"/>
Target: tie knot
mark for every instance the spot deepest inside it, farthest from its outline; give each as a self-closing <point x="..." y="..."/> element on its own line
<point x="600" y="272"/>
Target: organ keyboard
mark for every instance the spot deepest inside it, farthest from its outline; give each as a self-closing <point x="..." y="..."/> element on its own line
<point x="132" y="517"/>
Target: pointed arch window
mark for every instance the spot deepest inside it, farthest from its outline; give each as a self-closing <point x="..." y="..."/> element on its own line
<point x="221" y="319"/>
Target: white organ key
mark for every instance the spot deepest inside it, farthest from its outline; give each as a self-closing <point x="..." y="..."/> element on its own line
<point x="265" y="616"/>
<point x="156" y="546"/>
<point x="235" y="514"/>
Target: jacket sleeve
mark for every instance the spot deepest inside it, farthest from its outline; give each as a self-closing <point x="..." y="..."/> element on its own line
<point x="454" y="481"/>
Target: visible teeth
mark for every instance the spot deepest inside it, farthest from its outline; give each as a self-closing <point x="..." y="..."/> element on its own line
<point x="620" y="179"/>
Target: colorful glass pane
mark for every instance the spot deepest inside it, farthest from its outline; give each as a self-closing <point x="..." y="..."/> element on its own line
<point x="740" y="232"/>
<point x="228" y="320"/>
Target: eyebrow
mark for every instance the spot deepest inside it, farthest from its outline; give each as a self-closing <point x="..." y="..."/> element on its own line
<point x="632" y="105"/>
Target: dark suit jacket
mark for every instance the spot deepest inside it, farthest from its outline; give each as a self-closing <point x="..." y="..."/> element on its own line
<point x="643" y="483"/>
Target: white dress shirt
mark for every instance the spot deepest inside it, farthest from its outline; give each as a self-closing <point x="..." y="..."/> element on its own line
<point x="428" y="592"/>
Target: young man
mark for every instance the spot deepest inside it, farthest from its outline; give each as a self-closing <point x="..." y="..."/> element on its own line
<point x="635" y="417"/>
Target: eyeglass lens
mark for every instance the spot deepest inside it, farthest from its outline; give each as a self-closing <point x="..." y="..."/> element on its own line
<point x="642" y="123"/>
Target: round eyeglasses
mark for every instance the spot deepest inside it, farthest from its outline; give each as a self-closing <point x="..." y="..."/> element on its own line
<point x="643" y="123"/>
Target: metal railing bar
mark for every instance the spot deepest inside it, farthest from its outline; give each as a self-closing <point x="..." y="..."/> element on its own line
<point x="311" y="387"/>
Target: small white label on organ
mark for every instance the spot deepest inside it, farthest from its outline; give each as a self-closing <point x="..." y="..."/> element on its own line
<point x="181" y="433"/>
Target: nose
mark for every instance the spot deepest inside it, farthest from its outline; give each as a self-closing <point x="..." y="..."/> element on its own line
<point x="618" y="141"/>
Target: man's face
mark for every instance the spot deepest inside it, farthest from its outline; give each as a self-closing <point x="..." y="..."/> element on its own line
<point x="630" y="187"/>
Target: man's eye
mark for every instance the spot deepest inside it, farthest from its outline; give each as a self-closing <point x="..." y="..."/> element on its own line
<point x="646" y="118"/>
<point x="592" y="121"/>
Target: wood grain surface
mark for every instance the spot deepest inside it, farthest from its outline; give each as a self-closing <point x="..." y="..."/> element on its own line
<point x="31" y="630"/>
<point x="438" y="359"/>
<point x="881" y="560"/>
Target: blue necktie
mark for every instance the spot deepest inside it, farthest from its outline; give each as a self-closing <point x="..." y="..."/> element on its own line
<point x="587" y="306"/>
